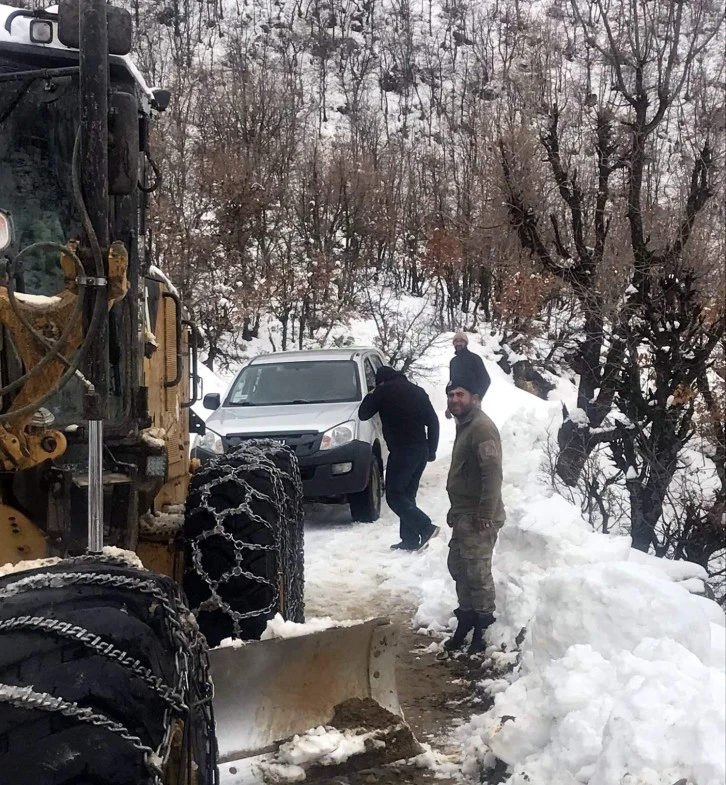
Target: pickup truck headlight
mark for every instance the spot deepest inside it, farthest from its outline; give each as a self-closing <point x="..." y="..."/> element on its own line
<point x="338" y="436"/>
<point x="211" y="442"/>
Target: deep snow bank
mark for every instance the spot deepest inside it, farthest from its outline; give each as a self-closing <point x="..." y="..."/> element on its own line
<point x="621" y="680"/>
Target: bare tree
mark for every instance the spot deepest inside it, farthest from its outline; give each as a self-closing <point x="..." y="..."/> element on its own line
<point x="604" y="147"/>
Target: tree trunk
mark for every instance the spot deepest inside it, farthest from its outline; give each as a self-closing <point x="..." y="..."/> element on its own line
<point x="285" y="320"/>
<point x="250" y="330"/>
<point x="572" y="441"/>
<point x="646" y="498"/>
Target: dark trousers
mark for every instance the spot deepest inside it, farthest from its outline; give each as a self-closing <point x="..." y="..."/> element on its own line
<point x="403" y="475"/>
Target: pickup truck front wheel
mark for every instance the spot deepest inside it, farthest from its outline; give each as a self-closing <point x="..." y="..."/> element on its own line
<point x="366" y="505"/>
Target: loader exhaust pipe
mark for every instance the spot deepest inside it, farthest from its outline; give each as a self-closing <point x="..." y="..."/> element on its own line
<point x="94" y="86"/>
<point x="94" y="83"/>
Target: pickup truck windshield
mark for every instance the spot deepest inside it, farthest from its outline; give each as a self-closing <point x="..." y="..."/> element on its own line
<point x="289" y="383"/>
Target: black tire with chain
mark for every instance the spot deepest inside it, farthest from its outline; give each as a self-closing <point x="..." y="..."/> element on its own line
<point x="243" y="535"/>
<point x="129" y="655"/>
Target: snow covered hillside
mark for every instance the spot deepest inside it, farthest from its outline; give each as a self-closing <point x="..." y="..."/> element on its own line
<point x="621" y="675"/>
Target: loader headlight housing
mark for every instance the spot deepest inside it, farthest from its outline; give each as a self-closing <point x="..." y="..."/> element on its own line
<point x="210" y="442"/>
<point x="338" y="436"/>
<point x="41" y="31"/>
<point x="6" y="231"/>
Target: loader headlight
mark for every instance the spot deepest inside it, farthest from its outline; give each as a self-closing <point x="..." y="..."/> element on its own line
<point x="210" y="442"/>
<point x="338" y="436"/>
<point x="41" y="31"/>
<point x="6" y="231"/>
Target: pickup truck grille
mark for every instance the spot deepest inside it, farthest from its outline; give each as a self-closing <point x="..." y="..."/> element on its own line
<point x="304" y="444"/>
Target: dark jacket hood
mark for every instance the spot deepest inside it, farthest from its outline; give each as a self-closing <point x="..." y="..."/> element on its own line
<point x="386" y="373"/>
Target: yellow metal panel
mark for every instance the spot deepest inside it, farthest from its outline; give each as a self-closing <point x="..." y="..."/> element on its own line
<point x="170" y="352"/>
<point x="20" y="538"/>
<point x="173" y="493"/>
<point x="165" y="403"/>
<point x="162" y="557"/>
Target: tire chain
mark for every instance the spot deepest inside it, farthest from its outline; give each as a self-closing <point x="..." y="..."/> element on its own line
<point x="278" y="464"/>
<point x="28" y="698"/>
<point x="190" y="652"/>
<point x="100" y="646"/>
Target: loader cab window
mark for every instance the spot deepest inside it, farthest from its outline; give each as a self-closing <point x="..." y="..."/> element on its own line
<point x="37" y="131"/>
<point x="38" y="125"/>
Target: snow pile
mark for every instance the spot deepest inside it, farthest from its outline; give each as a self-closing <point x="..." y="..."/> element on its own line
<point x="157" y="274"/>
<point x="129" y="557"/>
<point x="38" y="300"/>
<point x="651" y="715"/>
<point x="154" y="438"/>
<point x="622" y="668"/>
<point x="278" y="627"/>
<point x="436" y="762"/>
<point x="33" y="564"/>
<point x="320" y="746"/>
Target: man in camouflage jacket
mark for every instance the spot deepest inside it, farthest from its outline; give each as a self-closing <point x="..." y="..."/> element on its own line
<point x="477" y="512"/>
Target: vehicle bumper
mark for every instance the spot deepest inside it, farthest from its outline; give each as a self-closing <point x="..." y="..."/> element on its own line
<point x="319" y="479"/>
<point x="317" y="470"/>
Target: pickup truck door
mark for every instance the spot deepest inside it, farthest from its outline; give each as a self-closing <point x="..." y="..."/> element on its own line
<point x="371" y="363"/>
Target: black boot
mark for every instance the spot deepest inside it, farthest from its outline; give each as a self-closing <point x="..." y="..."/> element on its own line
<point x="482" y="621"/>
<point x="466" y="622"/>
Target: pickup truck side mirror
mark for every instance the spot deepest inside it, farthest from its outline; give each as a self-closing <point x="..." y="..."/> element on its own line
<point x="212" y="401"/>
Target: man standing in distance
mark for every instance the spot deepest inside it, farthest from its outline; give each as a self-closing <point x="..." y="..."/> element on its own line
<point x="466" y="364"/>
<point x="476" y="515"/>
<point x="411" y="431"/>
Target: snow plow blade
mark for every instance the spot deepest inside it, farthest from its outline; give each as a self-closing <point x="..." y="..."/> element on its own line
<point x="267" y="691"/>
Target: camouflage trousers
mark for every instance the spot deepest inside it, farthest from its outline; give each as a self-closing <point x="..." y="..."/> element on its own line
<point x="470" y="562"/>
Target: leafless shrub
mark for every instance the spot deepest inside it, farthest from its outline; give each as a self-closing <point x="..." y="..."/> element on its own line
<point x="405" y="329"/>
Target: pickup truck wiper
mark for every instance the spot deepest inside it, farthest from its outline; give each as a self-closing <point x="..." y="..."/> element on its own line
<point x="278" y="403"/>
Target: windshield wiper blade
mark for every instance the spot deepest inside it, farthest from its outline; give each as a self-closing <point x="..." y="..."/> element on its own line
<point x="282" y="403"/>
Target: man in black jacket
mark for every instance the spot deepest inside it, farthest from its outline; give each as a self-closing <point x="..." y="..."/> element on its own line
<point x="411" y="431"/>
<point x="465" y="364"/>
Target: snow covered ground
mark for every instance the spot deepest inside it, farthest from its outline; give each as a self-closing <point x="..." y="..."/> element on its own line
<point x="621" y="679"/>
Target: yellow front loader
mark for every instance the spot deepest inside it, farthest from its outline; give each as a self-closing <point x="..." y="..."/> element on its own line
<point x="120" y="566"/>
